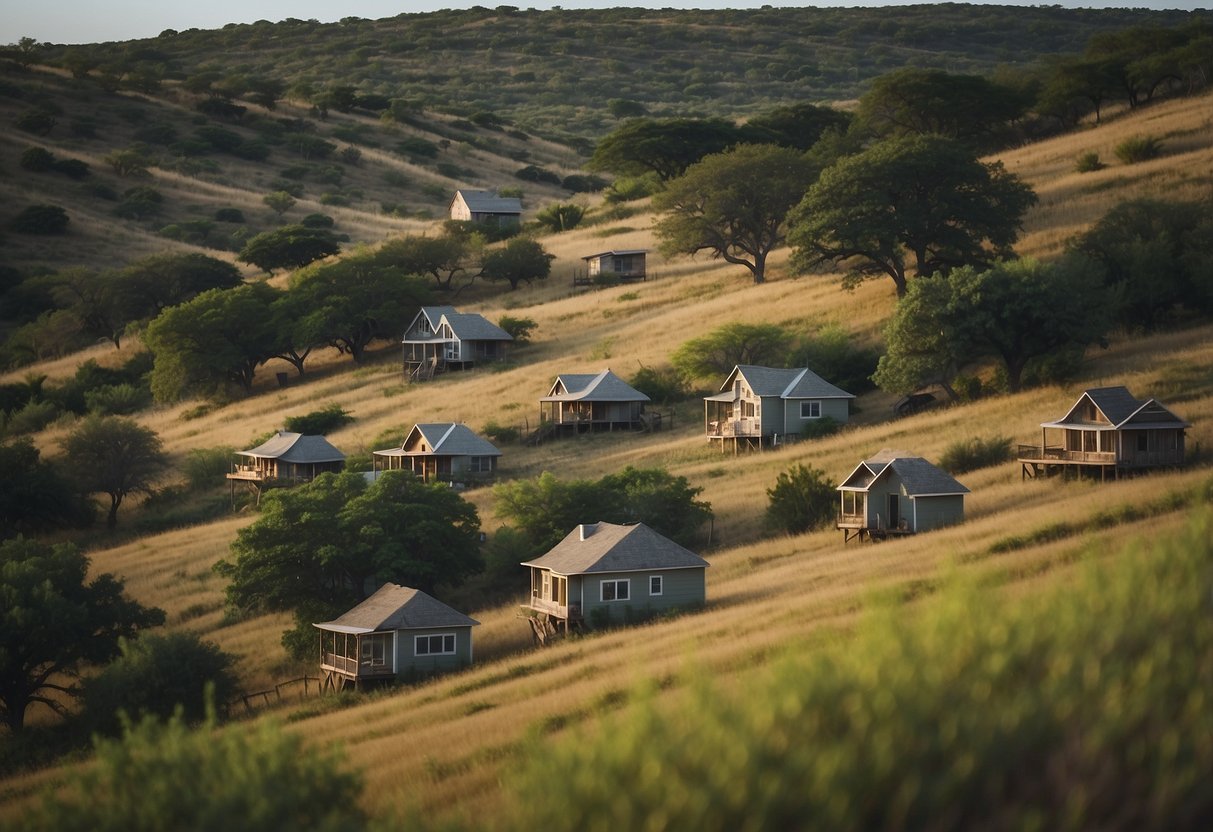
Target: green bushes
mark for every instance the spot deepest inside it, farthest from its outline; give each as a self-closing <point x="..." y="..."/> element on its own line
<point x="519" y="329"/>
<point x="1138" y="149"/>
<point x="971" y="454"/>
<point x="40" y="219"/>
<point x="803" y="498"/>
<point x="1089" y="163"/>
<point x="322" y="421"/>
<point x="1084" y="707"/>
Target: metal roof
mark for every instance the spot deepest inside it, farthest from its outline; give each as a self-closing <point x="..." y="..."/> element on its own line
<point x="785" y="383"/>
<point x="444" y="439"/>
<point x="604" y="387"/>
<point x="395" y="607"/>
<point x="296" y="448"/>
<point x="487" y="202"/>
<point x="919" y="477"/>
<point x="609" y="547"/>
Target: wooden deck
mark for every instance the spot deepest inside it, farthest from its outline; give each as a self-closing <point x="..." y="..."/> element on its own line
<point x="1045" y="460"/>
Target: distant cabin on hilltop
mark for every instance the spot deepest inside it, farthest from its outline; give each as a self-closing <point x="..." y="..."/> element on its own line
<point x="617" y="265"/>
<point x="1107" y="430"/>
<point x="486" y="208"/>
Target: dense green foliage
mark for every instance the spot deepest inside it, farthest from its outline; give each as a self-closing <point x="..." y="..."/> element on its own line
<point x="519" y="329"/>
<point x="115" y="456"/>
<point x="802" y="499"/>
<point x="53" y="620"/>
<point x="289" y="247"/>
<point x="733" y="204"/>
<point x="924" y="199"/>
<point x="974" y="453"/>
<point x="546" y="509"/>
<point x="320" y="548"/>
<point x="442" y="257"/>
<point x="168" y="776"/>
<point x="160" y="675"/>
<point x="34" y="495"/>
<point x="40" y="219"/>
<point x="713" y="356"/>
<point x="322" y="421"/>
<point x="1080" y="707"/>
<point x="520" y="260"/>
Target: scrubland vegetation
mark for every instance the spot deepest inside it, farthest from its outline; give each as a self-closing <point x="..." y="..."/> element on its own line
<point x="1041" y="664"/>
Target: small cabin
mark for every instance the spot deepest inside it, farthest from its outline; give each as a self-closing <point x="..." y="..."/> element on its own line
<point x="441" y="452"/>
<point x="287" y="458"/>
<point x="617" y="265"/>
<point x="603" y="573"/>
<point x="1107" y="430"/>
<point x="396" y="633"/>
<point x="486" y="208"/>
<point x="896" y="493"/>
<point x="441" y="338"/>
<point x="759" y="406"/>
<point x="582" y="402"/>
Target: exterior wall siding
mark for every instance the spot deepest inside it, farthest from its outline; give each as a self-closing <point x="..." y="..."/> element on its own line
<point x="682" y="588"/>
<point x="934" y="512"/>
<point x="837" y="409"/>
<point x="406" y="658"/>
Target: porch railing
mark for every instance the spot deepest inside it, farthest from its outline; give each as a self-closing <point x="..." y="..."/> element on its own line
<point x="1055" y="453"/>
<point x="735" y="427"/>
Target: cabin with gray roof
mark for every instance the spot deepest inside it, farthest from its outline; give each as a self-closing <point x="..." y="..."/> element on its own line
<point x="581" y="402"/>
<point x="1107" y="430"/>
<point x="759" y="406"/>
<point x="603" y="573"/>
<point x="441" y="338"/>
<point x="897" y="493"/>
<point x="398" y="632"/>
<point x="614" y="266"/>
<point x="441" y="452"/>
<point x="486" y="208"/>
<point x="286" y="458"/>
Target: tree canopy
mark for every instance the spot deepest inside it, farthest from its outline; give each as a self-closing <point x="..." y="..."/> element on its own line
<point x="714" y="355"/>
<point x="53" y="620"/>
<point x="798" y="126"/>
<point x="288" y="247"/>
<point x="923" y="198"/>
<point x="34" y="496"/>
<point x="116" y="456"/>
<point x="802" y="499"/>
<point x="733" y="204"/>
<point x="443" y="257"/>
<point x="520" y="260"/>
<point x="666" y="147"/>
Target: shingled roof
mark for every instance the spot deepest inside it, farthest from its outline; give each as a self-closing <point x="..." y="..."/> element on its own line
<point x="395" y="607"/>
<point x="467" y="326"/>
<point x="296" y="448"/>
<point x="488" y="202"/>
<point x="1119" y="407"/>
<point x="583" y="387"/>
<point x="919" y="477"/>
<point x="444" y="439"/>
<point x="785" y="383"/>
<point x="609" y="547"/>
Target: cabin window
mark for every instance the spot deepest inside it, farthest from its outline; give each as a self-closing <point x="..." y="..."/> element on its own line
<point x="617" y="590"/>
<point x="1143" y="442"/>
<point x="656" y="584"/>
<point x="374" y="651"/>
<point x="810" y="409"/>
<point x="480" y="464"/>
<point x="440" y="644"/>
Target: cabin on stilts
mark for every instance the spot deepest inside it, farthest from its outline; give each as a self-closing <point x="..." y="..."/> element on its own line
<point x="398" y="632"/>
<point x="584" y="402"/>
<point x="759" y="406"/>
<point x="1108" y="431"/>
<point x="440" y="339"/>
<point x="441" y="452"/>
<point x="896" y="493"/>
<point x="284" y="459"/>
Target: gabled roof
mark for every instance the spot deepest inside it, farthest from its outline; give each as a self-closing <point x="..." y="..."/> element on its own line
<point x="487" y="202"/>
<point x="1120" y="408"/>
<point x="285" y="446"/>
<point x="395" y="607"/>
<point x="582" y="387"/>
<point x="444" y="439"/>
<point x="469" y="326"/>
<point x="791" y="383"/>
<point x="609" y="547"/>
<point x="919" y="477"/>
<point x="618" y="252"/>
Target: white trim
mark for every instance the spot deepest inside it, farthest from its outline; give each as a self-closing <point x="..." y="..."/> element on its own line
<point x="627" y="582"/>
<point x="661" y="586"/>
<point x="616" y="571"/>
<point x="443" y="652"/>
<point x="810" y="403"/>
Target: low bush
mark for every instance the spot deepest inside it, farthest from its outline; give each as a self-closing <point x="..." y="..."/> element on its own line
<point x="319" y="422"/>
<point x="519" y="329"/>
<point x="1089" y="163"/>
<point x="118" y="399"/>
<point x="40" y="219"/>
<point x="205" y="468"/>
<point x="971" y="454"/>
<point x="1138" y="149"/>
<point x="803" y="498"/>
<point x="818" y="428"/>
<point x="661" y="384"/>
<point x="501" y="433"/>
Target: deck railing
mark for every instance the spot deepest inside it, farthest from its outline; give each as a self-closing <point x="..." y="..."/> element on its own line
<point x="353" y="667"/>
<point x="735" y="427"/>
<point x="1055" y="453"/>
<point x="852" y="521"/>
<point x="569" y="611"/>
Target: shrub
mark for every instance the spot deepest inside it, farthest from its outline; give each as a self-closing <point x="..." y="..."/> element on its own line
<point x="37" y="121"/>
<point x="560" y="217"/>
<point x="833" y="355"/>
<point x="1138" y="149"/>
<point x="229" y="215"/>
<point x="73" y="168"/>
<point x="501" y="433"/>
<point x="664" y="385"/>
<point x="583" y="183"/>
<point x="139" y="203"/>
<point x="975" y="710"/>
<point x="157" y="675"/>
<point x="818" y="428"/>
<point x="37" y="160"/>
<point x="632" y="188"/>
<point x="205" y="467"/>
<point x="317" y="221"/>
<point x="533" y="173"/>
<point x="971" y="454"/>
<point x="416" y="146"/>
<point x="318" y="422"/>
<point x="40" y="219"/>
<point x="117" y="399"/>
<point x="1088" y="163"/>
<point x="803" y="498"/>
<point x="519" y="329"/>
<point x="31" y="418"/>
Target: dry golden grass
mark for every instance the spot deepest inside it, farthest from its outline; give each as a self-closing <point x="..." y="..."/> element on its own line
<point x="443" y="747"/>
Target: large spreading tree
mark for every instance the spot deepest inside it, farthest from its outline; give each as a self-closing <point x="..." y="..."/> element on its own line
<point x="733" y="204"/>
<point x="53" y="620"/>
<point x="321" y="548"/>
<point x="666" y="147"/>
<point x="520" y="260"/>
<point x="115" y="456"/>
<point x="916" y="202"/>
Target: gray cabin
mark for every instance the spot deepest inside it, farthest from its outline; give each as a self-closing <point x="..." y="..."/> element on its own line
<point x="603" y="573"/>
<point x="441" y="338"/>
<point x="285" y="459"/>
<point x="581" y="402"/>
<point x="759" y="406"/>
<point x="441" y="452"/>
<point x="617" y="265"/>
<point x="896" y="493"/>
<point x="486" y="208"/>
<point x="397" y="632"/>
<point x="1107" y="430"/>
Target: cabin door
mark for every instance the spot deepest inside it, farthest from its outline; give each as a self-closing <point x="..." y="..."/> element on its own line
<point x="894" y="511"/>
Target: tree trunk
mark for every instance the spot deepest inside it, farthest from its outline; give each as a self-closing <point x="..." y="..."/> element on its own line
<point x="111" y="519"/>
<point x="760" y="268"/>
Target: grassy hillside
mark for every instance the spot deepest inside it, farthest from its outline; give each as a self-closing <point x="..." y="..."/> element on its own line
<point x="443" y="747"/>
